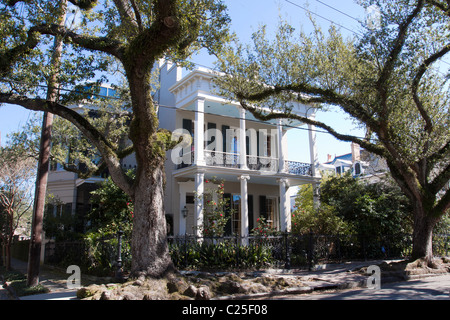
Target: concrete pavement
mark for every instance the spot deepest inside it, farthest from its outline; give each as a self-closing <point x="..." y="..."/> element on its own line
<point x="59" y="295"/>
<point x="53" y="279"/>
<point x="428" y="288"/>
<point x="337" y="277"/>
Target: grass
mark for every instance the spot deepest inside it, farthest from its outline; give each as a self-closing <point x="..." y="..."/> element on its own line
<point x="18" y="282"/>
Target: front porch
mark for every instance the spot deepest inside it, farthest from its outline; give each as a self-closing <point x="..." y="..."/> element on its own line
<point x="251" y="195"/>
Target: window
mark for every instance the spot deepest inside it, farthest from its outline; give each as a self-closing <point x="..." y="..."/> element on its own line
<point x="272" y="212"/>
<point x="269" y="146"/>
<point x="357" y="168"/>
<point x="268" y="207"/>
<point x="236" y="217"/>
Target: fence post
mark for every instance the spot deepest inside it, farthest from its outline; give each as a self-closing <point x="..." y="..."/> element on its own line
<point x="119" y="275"/>
<point x="446" y="245"/>
<point x="185" y="251"/>
<point x="363" y="238"/>
<point x="237" y="251"/>
<point x="310" y="250"/>
<point x="287" y="264"/>
<point x="338" y="247"/>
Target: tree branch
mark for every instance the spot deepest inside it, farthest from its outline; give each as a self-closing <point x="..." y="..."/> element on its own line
<point x="8" y="57"/>
<point x="157" y="38"/>
<point x="415" y="85"/>
<point x="310" y="94"/>
<point x="439" y="155"/>
<point x="107" y="151"/>
<point x="127" y="16"/>
<point x="441" y="180"/>
<point x="398" y="45"/>
<point x="137" y="14"/>
<point x="103" y="44"/>
<point x="383" y="83"/>
<point x="443" y="205"/>
<point x="376" y="149"/>
<point x="84" y="4"/>
<point x="440" y="6"/>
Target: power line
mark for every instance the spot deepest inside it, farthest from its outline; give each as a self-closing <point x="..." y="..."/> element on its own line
<point x="194" y="111"/>
<point x="344" y="27"/>
<point x="264" y="122"/>
<point x="342" y="12"/>
<point x="322" y="17"/>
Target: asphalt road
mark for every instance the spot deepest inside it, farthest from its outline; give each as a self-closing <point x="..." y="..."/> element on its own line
<point x="429" y="288"/>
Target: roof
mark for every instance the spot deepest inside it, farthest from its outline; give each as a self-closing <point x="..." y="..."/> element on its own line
<point x="343" y="158"/>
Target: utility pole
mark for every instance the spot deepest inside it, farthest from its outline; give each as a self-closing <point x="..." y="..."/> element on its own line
<point x="34" y="256"/>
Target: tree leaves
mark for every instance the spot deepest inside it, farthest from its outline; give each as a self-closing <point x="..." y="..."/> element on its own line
<point x="387" y="81"/>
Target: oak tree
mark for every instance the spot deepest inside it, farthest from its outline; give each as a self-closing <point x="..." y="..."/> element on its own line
<point x="133" y="35"/>
<point x="392" y="81"/>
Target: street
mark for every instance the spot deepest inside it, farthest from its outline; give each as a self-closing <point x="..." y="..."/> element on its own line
<point x="430" y="288"/>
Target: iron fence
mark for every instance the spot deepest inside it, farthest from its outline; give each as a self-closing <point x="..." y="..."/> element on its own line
<point x="96" y="257"/>
<point x="284" y="250"/>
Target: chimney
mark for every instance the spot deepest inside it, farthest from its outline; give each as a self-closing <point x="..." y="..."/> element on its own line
<point x="356" y="152"/>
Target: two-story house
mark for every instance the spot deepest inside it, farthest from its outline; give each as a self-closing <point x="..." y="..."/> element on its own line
<point x="228" y="143"/>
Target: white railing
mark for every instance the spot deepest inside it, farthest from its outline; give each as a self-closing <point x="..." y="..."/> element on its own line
<point x="261" y="163"/>
<point x="222" y="159"/>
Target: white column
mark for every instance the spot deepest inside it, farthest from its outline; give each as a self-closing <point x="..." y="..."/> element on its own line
<point x="199" y="190"/>
<point x="313" y="150"/>
<point x="242" y="140"/>
<point x="182" y="220"/>
<point x="314" y="162"/>
<point x="285" y="205"/>
<point x="199" y="132"/>
<point x="244" y="209"/>
<point x="281" y="157"/>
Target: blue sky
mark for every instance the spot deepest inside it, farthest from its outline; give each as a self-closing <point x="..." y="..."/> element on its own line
<point x="246" y="16"/>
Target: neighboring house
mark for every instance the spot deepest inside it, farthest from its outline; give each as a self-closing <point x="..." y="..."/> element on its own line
<point x="359" y="162"/>
<point x="257" y="172"/>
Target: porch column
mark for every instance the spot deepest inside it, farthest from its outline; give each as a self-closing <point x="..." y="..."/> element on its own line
<point x="285" y="205"/>
<point x="182" y="220"/>
<point x="242" y="140"/>
<point x="244" y="209"/>
<point x="314" y="162"/>
<point x="199" y="189"/>
<point x="281" y="155"/>
<point x="313" y="150"/>
<point x="199" y="132"/>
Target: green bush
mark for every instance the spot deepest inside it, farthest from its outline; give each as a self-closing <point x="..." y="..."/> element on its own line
<point x="219" y="255"/>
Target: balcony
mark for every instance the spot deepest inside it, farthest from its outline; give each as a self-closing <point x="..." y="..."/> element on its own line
<point x="257" y="163"/>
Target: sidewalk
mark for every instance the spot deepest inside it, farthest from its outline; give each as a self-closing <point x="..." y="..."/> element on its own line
<point x="324" y="277"/>
<point x="53" y="279"/>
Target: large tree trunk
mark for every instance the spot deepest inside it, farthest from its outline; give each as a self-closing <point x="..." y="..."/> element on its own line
<point x="8" y="255"/>
<point x="423" y="234"/>
<point x="149" y="246"/>
<point x="34" y="254"/>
